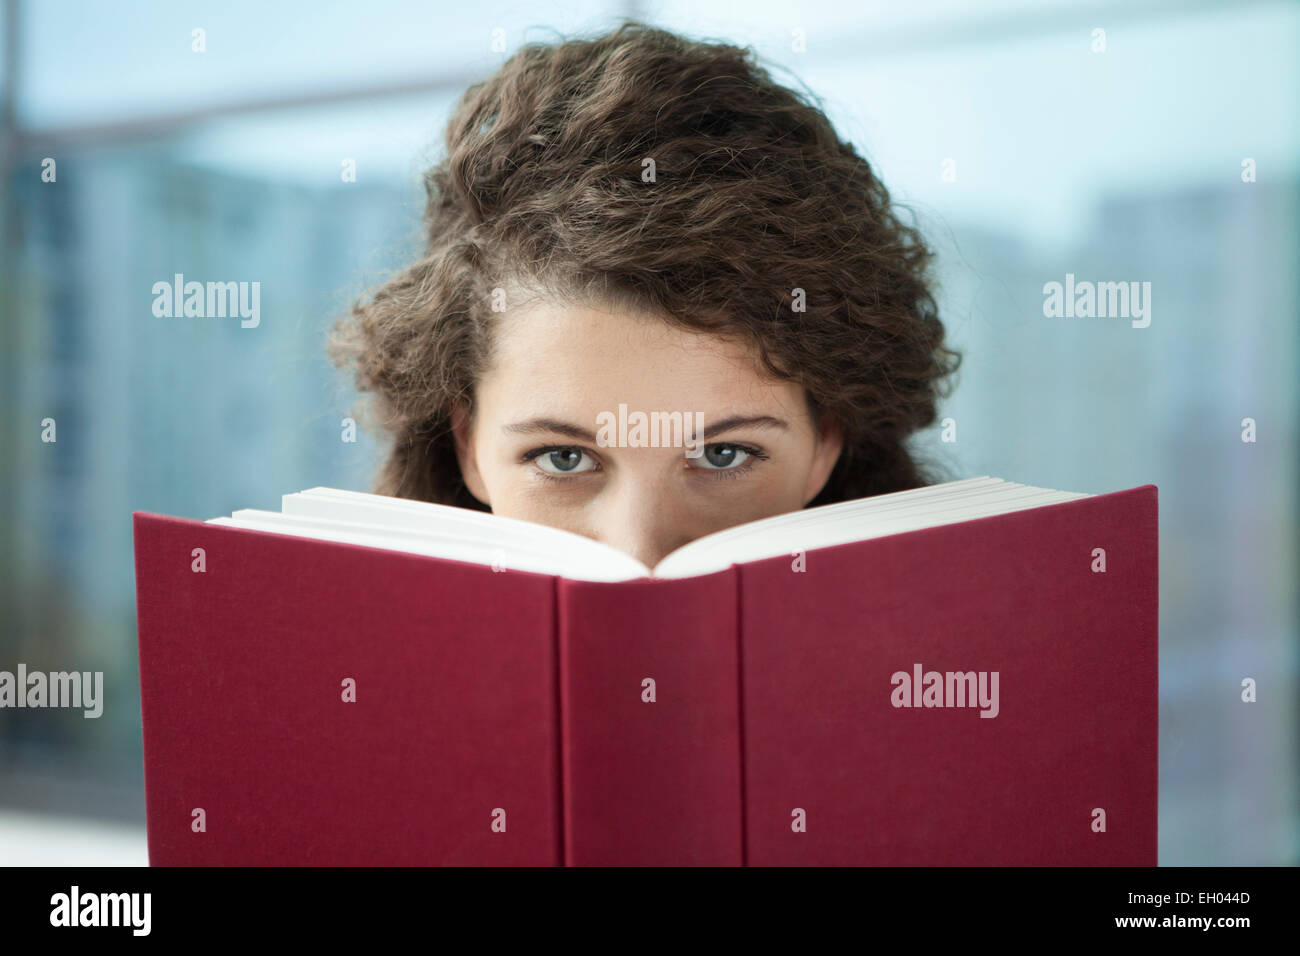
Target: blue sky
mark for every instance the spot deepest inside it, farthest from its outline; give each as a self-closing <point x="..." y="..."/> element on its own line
<point x="1038" y="124"/>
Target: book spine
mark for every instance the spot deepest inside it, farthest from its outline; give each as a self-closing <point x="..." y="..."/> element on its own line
<point x="650" y="722"/>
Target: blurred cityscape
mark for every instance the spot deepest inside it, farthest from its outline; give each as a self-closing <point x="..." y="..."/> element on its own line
<point x="197" y="417"/>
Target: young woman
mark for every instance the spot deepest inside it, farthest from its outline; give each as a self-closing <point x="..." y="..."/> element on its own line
<point x="640" y="223"/>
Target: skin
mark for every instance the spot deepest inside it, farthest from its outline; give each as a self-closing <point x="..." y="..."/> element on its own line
<point x="530" y="450"/>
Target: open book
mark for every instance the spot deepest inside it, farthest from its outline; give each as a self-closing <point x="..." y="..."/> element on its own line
<point x="419" y="527"/>
<point x="964" y="673"/>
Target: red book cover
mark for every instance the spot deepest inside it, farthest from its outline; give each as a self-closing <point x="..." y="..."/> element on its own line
<point x="1020" y="595"/>
<point x="451" y="732"/>
<point x="797" y="711"/>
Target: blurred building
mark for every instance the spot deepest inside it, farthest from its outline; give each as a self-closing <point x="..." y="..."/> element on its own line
<point x="1095" y="405"/>
<point x="181" y="415"/>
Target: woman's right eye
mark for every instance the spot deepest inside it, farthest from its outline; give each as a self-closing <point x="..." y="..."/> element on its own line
<point x="564" y="461"/>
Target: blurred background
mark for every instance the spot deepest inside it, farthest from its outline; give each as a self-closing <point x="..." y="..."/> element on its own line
<point x="1164" y="149"/>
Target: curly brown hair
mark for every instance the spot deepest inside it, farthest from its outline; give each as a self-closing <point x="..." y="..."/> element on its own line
<point x="752" y="197"/>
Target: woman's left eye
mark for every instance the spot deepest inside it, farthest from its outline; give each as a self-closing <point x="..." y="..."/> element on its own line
<point x="562" y="461"/>
<point x="723" y="457"/>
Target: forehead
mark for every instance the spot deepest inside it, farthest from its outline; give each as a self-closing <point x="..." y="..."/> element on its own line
<point x="581" y="360"/>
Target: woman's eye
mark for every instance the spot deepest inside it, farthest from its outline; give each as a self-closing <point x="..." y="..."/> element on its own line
<point x="723" y="457"/>
<point x="564" y="461"/>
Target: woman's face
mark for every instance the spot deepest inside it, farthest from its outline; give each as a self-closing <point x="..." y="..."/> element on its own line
<point x="534" y="451"/>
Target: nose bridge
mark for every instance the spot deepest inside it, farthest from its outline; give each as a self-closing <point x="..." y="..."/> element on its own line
<point x="639" y="516"/>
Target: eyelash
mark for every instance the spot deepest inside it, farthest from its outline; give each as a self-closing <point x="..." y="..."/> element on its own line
<point x="755" y="454"/>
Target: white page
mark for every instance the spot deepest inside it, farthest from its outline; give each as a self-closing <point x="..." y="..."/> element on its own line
<point x="847" y="522"/>
<point x="406" y="514"/>
<point x="453" y="546"/>
<point x="421" y="527"/>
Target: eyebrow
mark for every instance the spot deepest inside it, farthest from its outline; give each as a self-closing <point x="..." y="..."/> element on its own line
<point x="556" y="427"/>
